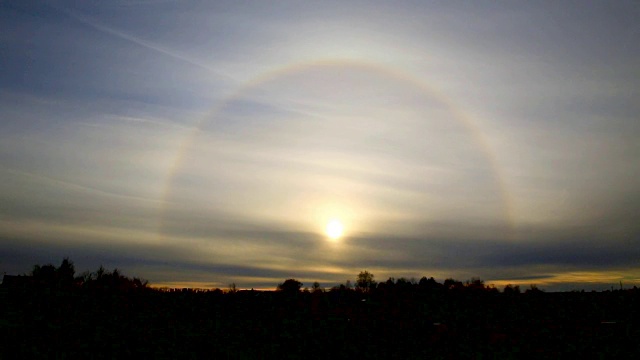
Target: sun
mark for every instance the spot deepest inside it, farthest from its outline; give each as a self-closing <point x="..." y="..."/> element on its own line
<point x="334" y="229"/>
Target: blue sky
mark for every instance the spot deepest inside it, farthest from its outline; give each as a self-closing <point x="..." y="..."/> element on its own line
<point x="198" y="143"/>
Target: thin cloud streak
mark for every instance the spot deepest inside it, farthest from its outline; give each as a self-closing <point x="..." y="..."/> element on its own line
<point x="80" y="187"/>
<point x="146" y="44"/>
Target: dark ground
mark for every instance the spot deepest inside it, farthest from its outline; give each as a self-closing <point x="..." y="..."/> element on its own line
<point x="387" y="323"/>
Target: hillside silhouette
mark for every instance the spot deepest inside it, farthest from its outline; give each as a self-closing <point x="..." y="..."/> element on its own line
<point x="55" y="313"/>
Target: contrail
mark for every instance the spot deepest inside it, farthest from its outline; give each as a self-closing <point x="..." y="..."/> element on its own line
<point x="75" y="186"/>
<point x="146" y="44"/>
<point x="147" y="2"/>
<point x="149" y="121"/>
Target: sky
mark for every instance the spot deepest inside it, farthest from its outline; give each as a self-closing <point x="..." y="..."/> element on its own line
<point x="203" y="143"/>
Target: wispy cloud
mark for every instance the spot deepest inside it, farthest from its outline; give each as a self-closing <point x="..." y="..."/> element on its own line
<point x="144" y="43"/>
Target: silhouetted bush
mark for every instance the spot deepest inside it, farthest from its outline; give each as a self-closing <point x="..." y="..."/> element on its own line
<point x="290" y="286"/>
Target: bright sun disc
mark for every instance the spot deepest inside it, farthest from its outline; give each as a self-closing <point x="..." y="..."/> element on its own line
<point x="334" y="229"/>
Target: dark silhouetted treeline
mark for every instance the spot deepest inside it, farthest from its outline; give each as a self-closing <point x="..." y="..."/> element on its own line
<point x="53" y="313"/>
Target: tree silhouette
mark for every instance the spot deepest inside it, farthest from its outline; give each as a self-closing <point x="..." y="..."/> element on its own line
<point x="429" y="284"/>
<point x="348" y="285"/>
<point x="65" y="273"/>
<point x="533" y="289"/>
<point x="451" y="284"/>
<point x="104" y="311"/>
<point x="365" y="282"/>
<point x="290" y="286"/>
<point x="475" y="284"/>
<point x="101" y="279"/>
<point x="44" y="275"/>
<point x="510" y="289"/>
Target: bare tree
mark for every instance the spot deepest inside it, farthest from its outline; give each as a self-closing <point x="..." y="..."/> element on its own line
<point x="365" y="281"/>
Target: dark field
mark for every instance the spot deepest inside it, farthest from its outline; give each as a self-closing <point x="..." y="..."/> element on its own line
<point x="391" y="321"/>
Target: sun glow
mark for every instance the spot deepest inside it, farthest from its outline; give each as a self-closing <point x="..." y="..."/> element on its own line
<point x="334" y="229"/>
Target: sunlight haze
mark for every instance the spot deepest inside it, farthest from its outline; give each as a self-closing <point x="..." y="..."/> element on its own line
<point x="197" y="143"/>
